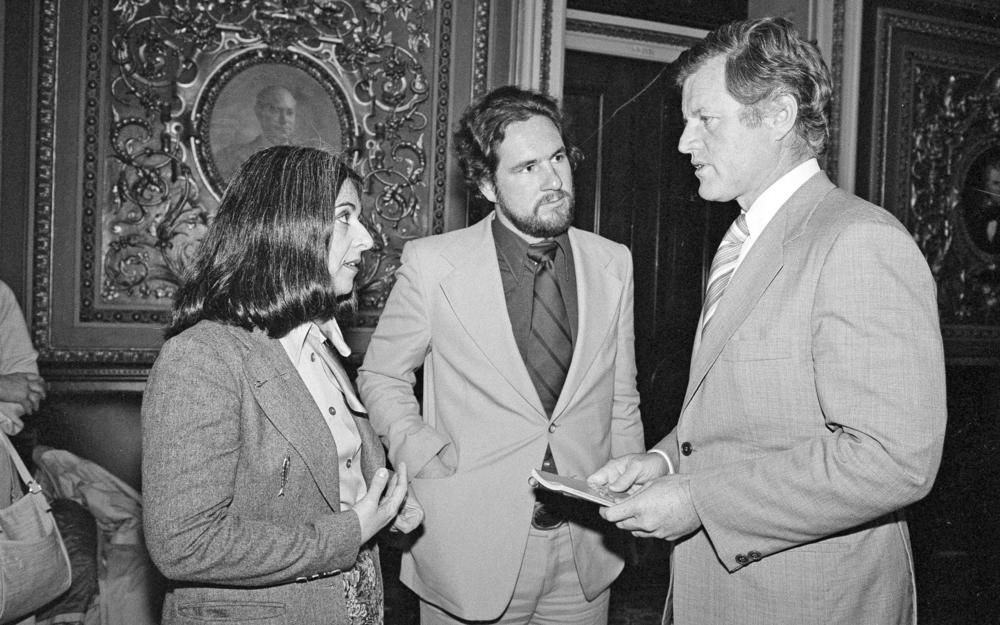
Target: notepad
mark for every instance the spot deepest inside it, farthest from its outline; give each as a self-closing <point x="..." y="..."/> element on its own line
<point x="572" y="487"/>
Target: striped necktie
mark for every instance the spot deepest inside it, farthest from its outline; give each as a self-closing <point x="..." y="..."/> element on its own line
<point x="550" y="347"/>
<point x="723" y="266"/>
<point x="548" y="355"/>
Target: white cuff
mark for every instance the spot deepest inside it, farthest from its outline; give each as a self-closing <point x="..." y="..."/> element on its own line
<point x="670" y="465"/>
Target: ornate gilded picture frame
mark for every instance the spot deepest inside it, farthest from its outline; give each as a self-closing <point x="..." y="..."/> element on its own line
<point x="263" y="98"/>
<point x="978" y="190"/>
<point x="933" y="110"/>
<point x="142" y="108"/>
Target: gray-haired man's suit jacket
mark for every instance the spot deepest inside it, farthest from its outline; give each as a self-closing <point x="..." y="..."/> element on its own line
<point x="814" y="412"/>
<point x="247" y="535"/>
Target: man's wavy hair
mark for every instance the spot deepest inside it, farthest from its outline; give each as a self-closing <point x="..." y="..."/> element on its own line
<point x="484" y="124"/>
<point x="264" y="261"/>
<point x="766" y="58"/>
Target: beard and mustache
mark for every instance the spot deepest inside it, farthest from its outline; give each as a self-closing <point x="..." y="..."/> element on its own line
<point x="534" y="224"/>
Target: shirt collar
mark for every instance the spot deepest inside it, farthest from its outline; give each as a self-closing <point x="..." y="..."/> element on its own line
<point x="774" y="197"/>
<point x="511" y="247"/>
<point x="331" y="330"/>
<point x="295" y="341"/>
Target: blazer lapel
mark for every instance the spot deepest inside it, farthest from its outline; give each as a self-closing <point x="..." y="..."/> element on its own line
<point x="595" y="287"/>
<point x="289" y="406"/>
<point x="475" y="292"/>
<point x="754" y="275"/>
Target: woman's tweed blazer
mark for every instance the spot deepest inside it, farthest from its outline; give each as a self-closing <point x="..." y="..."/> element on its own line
<point x="246" y="534"/>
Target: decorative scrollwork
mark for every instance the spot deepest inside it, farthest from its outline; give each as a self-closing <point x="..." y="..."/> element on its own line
<point x="163" y="184"/>
<point x="958" y="114"/>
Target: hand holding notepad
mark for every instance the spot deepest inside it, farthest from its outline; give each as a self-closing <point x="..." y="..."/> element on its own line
<point x="572" y="487"/>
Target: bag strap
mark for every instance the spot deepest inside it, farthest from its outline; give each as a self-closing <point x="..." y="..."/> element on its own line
<point x="22" y="470"/>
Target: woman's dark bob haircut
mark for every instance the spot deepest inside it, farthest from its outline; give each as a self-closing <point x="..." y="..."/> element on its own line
<point x="263" y="261"/>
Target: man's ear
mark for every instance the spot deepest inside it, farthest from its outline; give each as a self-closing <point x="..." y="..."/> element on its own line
<point x="488" y="190"/>
<point x="782" y="113"/>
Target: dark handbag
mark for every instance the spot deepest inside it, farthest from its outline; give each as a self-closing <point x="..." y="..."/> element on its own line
<point x="34" y="565"/>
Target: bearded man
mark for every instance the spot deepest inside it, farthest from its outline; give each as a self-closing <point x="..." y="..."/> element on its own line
<point x="523" y="326"/>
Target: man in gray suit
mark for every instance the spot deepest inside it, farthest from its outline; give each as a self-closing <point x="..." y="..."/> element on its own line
<point x="815" y="408"/>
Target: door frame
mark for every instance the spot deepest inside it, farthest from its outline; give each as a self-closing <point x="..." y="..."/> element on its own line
<point x="545" y="29"/>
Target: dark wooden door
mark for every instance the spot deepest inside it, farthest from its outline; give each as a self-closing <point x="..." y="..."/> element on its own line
<point x="634" y="187"/>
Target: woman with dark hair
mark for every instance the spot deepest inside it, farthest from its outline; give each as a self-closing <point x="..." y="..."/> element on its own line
<point x="263" y="483"/>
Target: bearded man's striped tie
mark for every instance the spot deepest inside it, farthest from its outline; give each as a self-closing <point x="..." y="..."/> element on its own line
<point x="550" y="348"/>
<point x="549" y="352"/>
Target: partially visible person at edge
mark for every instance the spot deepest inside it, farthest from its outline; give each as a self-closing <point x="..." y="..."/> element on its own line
<point x="815" y="408"/>
<point x="524" y="328"/>
<point x="21" y="388"/>
<point x="263" y="483"/>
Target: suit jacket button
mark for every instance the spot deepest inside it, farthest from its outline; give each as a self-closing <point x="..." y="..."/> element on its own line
<point x="552" y="428"/>
<point x="741" y="559"/>
<point x="754" y="556"/>
<point x="686" y="448"/>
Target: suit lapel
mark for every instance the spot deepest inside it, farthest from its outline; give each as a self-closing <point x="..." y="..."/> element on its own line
<point x="475" y="292"/>
<point x="751" y="279"/>
<point x="289" y="406"/>
<point x="482" y="310"/>
<point x="762" y="263"/>
<point x="595" y="287"/>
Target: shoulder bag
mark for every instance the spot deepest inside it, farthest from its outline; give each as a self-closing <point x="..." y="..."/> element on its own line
<point x="34" y="565"/>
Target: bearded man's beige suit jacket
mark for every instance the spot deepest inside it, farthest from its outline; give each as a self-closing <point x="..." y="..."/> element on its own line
<point x="482" y="416"/>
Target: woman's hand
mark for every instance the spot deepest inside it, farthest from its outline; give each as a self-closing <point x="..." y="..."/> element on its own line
<point x="375" y="511"/>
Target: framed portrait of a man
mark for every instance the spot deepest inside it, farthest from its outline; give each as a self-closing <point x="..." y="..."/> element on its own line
<point x="980" y="201"/>
<point x="256" y="101"/>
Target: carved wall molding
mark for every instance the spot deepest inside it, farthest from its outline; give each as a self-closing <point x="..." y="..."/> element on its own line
<point x="532" y="39"/>
<point x="703" y="14"/>
<point x="832" y="157"/>
<point x="442" y="81"/>
<point x="582" y="25"/>
<point x="548" y="24"/>
<point x="626" y="37"/>
<point x="44" y="148"/>
<point x="480" y="64"/>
